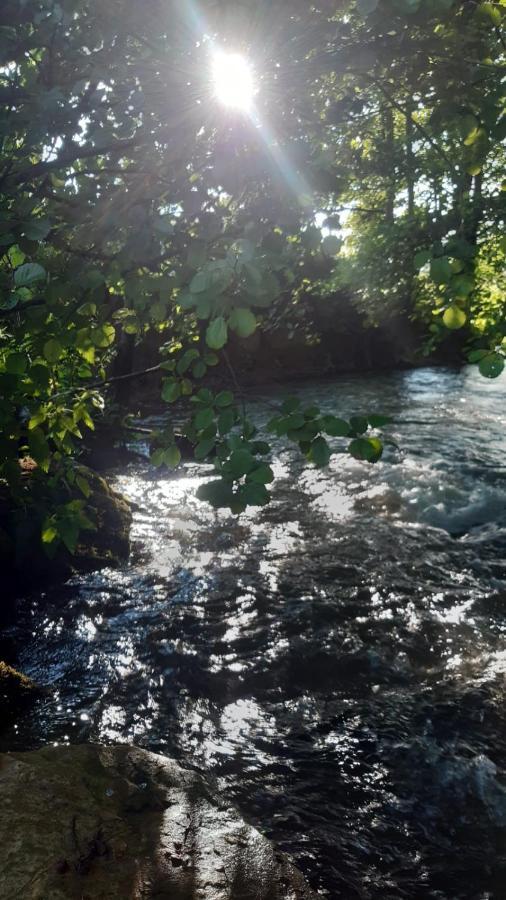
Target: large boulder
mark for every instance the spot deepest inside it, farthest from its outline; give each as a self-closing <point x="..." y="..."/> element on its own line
<point x="117" y="822"/>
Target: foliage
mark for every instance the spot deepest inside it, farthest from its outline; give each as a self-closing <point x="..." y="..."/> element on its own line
<point x="131" y="202"/>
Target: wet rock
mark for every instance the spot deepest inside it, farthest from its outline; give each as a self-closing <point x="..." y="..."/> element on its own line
<point x="16" y="692"/>
<point x="70" y="826"/>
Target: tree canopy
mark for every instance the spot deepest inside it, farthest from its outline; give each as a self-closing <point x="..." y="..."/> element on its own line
<point x="132" y="201"/>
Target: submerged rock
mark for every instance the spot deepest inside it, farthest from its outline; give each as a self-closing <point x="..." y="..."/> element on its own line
<point x="93" y="822"/>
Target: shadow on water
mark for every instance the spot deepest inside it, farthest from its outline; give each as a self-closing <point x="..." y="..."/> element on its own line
<point x="336" y="661"/>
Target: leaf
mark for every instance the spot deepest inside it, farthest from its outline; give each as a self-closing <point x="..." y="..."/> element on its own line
<point x="224" y="398"/>
<point x="462" y="286"/>
<point x="218" y="493"/>
<point x="203" y="418"/>
<point x="368" y="449"/>
<point x="157" y="457"/>
<point x="491" y="365"/>
<point x="254" y="494"/>
<point x="335" y="427"/>
<point x="68" y="530"/>
<point x="49" y="534"/>
<point x="204" y="448"/>
<point x="52" y="350"/>
<point x="240" y="463"/>
<point x="440" y="270"/>
<point x="103" y="336"/>
<point x="83" y="485"/>
<point x="366" y="7"/>
<point x="37" y="229"/>
<point x="476" y="355"/>
<point x="377" y="421"/>
<point x="290" y="405"/>
<point x="199" y="369"/>
<point x="243" y="322"/>
<point x="422" y="258"/>
<point x="263" y="474"/>
<point x="226" y="421"/>
<point x="172" y="456"/>
<point x="331" y="245"/>
<point x="16" y="363"/>
<point x="171" y="391"/>
<point x="28" y="274"/>
<point x="319" y="452"/>
<point x="359" y="424"/>
<point x="199" y="282"/>
<point x="454" y="317"/>
<point x="216" y="334"/>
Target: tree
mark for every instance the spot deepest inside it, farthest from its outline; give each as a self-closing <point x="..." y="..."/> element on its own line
<point x="131" y="202"/>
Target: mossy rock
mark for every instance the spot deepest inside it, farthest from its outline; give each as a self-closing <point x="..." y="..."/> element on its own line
<point x="24" y="562"/>
<point x="16" y="692"/>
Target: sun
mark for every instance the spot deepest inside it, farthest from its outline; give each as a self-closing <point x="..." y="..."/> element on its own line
<point x="233" y="80"/>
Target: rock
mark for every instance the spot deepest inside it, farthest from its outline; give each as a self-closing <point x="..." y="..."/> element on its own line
<point x="16" y="691"/>
<point x="91" y="822"/>
<point x="22" y="558"/>
<point x="110" y="543"/>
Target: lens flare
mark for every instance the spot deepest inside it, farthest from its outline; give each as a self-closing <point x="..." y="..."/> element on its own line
<point x="234" y="84"/>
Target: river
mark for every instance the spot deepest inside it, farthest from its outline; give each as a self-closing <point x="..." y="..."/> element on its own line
<point x="334" y="662"/>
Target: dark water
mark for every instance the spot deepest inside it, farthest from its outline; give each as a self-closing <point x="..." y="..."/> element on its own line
<point x="336" y="660"/>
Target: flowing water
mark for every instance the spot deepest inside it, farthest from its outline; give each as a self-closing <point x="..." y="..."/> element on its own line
<point x="335" y="661"/>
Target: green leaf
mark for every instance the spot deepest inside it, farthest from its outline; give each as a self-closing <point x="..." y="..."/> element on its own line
<point x="462" y="286"/>
<point x="441" y="270"/>
<point x="68" y="530"/>
<point x="83" y="485"/>
<point x="37" y="229"/>
<point x="157" y="457"/>
<point x="204" y="448"/>
<point x="476" y="355"/>
<point x="172" y="456"/>
<point x="52" y="350"/>
<point x="199" y="282"/>
<point x="199" y="369"/>
<point x="491" y="365"/>
<point x="335" y="427"/>
<point x="319" y="452"/>
<point x="359" y="424"/>
<point x="203" y="418"/>
<point x="49" y="534"/>
<point x="240" y="463"/>
<point x="218" y="493"/>
<point x="366" y="7"/>
<point x="368" y="449"/>
<point x="103" y="336"/>
<point x="377" y="421"/>
<point x="331" y="245"/>
<point x="454" y="317"/>
<point x="16" y="363"/>
<point x="224" y="398"/>
<point x="254" y="494"/>
<point x="243" y="322"/>
<point x="216" y="334"/>
<point x="290" y="405"/>
<point x="28" y="274"/>
<point x="262" y="474"/>
<point x="422" y="258"/>
<point x="171" y="391"/>
<point x="226" y="421"/>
